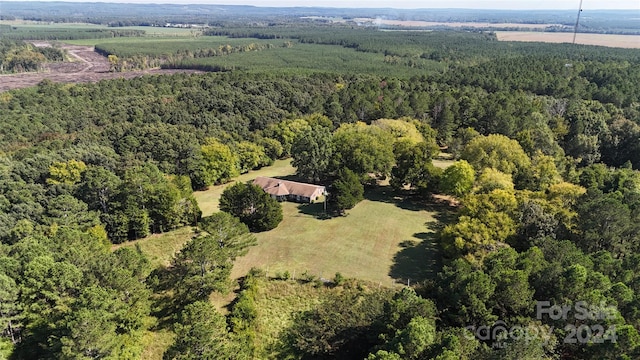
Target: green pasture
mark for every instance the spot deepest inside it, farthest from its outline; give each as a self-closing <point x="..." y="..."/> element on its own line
<point x="87" y="34"/>
<point x="38" y="25"/>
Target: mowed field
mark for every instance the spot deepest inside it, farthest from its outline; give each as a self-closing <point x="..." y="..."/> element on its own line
<point x="386" y="238"/>
<point x="383" y="239"/>
<point x="621" y="41"/>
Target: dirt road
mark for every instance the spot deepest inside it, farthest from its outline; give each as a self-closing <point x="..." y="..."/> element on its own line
<point x="88" y="66"/>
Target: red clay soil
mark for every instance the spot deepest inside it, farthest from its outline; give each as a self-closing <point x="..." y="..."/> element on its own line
<point x="88" y="66"/>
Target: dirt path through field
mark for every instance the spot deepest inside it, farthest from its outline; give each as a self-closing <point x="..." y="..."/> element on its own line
<point x="88" y="67"/>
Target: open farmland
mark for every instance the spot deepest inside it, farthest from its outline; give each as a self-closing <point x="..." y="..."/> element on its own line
<point x="619" y="41"/>
<point x="25" y="29"/>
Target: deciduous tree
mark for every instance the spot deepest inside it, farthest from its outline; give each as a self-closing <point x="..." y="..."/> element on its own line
<point x="498" y="152"/>
<point x="414" y="166"/>
<point x="363" y="149"/>
<point x="68" y="172"/>
<point x="458" y="179"/>
<point x="220" y="164"/>
<point x="312" y="152"/>
<point x="252" y="205"/>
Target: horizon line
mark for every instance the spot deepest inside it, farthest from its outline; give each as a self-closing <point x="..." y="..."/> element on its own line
<point x="168" y="2"/>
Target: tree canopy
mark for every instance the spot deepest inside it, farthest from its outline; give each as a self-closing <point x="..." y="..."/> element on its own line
<point x="252" y="205"/>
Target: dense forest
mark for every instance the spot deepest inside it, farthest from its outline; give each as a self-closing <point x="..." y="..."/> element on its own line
<point x="544" y="241"/>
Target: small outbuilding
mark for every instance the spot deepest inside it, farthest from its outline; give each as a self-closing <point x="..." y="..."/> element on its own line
<point x="282" y="190"/>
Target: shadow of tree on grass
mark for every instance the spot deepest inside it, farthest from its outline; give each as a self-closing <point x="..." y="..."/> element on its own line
<point x="401" y="199"/>
<point x="418" y="260"/>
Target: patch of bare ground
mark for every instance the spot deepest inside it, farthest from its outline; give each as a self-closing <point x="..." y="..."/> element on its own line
<point x="609" y="40"/>
<point x="88" y="66"/>
<point x="445" y="200"/>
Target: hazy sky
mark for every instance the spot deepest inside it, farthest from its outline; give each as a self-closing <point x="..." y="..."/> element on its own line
<point x="470" y="4"/>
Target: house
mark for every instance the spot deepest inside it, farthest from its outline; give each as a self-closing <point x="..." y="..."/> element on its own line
<point x="283" y="190"/>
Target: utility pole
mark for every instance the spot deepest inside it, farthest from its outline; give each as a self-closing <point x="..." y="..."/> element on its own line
<point x="575" y="30"/>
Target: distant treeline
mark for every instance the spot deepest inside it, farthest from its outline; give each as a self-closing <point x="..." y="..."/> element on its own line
<point x="60" y="33"/>
<point x="113" y="14"/>
<point x="435" y="45"/>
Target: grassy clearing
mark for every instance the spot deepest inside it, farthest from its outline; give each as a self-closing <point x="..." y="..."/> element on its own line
<point x="442" y="163"/>
<point x="383" y="239"/>
<point x="159" y="248"/>
<point x="156" y="343"/>
<point x="209" y="199"/>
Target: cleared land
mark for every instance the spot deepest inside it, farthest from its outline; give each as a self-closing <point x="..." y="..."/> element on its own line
<point x="88" y="66"/>
<point x="385" y="238"/>
<point x="620" y="41"/>
<point x="159" y="248"/>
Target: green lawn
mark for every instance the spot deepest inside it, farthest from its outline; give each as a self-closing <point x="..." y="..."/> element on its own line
<point x="209" y="199"/>
<point x="383" y="239"/>
<point x="160" y="248"/>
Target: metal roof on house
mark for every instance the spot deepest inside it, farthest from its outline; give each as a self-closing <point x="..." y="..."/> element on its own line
<point x="279" y="187"/>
